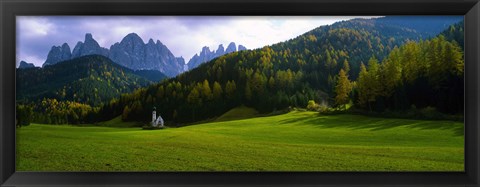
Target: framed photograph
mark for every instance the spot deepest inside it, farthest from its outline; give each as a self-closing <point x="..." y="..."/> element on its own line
<point x="239" y="93"/>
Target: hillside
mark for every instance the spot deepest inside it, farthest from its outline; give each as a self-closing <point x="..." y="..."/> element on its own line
<point x="237" y="113"/>
<point x="151" y="75"/>
<point x="455" y="33"/>
<point x="274" y="77"/>
<point x="359" y="39"/>
<point x="92" y="80"/>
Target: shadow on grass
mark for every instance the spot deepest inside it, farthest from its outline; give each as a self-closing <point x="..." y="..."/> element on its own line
<point x="373" y="123"/>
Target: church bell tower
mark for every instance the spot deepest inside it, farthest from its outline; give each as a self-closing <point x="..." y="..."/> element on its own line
<point x="154" y="115"/>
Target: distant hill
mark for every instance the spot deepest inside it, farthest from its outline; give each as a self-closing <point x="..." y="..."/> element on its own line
<point x="425" y="26"/>
<point x="92" y="79"/>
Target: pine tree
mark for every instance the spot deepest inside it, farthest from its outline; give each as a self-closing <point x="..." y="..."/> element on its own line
<point x="342" y="89"/>
<point x="248" y="92"/>
<point x="217" y="90"/>
<point x="230" y="89"/>
<point x="206" y="91"/>
<point x="271" y="83"/>
<point x="125" y="113"/>
<point x="373" y="81"/>
<point x="346" y="67"/>
<point x="362" y="85"/>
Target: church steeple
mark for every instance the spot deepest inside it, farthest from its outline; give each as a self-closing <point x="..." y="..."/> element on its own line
<point x="154" y="115"/>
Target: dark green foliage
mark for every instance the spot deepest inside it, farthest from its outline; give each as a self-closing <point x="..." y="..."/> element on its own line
<point x="23" y="115"/>
<point x="89" y="79"/>
<point x="455" y="33"/>
<point x="69" y="92"/>
<point x="426" y="74"/>
<point x="51" y="111"/>
<point x="151" y="75"/>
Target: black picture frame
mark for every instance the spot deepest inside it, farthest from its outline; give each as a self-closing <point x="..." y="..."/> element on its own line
<point x="9" y="9"/>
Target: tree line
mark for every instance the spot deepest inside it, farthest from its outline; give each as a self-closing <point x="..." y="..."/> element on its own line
<point x="416" y="75"/>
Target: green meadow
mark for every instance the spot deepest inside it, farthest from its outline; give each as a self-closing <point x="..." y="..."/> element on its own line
<point x="295" y="141"/>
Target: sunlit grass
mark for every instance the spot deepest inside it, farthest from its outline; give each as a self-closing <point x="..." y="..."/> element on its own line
<point x="297" y="141"/>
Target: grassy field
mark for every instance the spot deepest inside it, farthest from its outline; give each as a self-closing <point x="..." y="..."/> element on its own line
<point x="237" y="113"/>
<point x="296" y="141"/>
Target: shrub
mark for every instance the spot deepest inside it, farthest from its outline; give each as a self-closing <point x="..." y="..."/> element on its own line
<point x="312" y="106"/>
<point x="431" y="113"/>
<point x="323" y="109"/>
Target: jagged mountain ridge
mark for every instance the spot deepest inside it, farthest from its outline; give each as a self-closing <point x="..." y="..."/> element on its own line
<point x="58" y="54"/>
<point x="206" y="55"/>
<point x="131" y="52"/>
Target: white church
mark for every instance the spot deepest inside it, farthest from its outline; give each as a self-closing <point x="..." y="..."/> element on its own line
<point x="156" y="122"/>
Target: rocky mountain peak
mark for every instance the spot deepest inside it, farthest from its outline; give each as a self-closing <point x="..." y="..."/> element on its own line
<point x="231" y="47"/>
<point x="24" y="65"/>
<point x="133" y="53"/>
<point x="65" y="47"/>
<point x="241" y="48"/>
<point x="88" y="47"/>
<point x="88" y="36"/>
<point x="207" y="55"/>
<point x="220" y="51"/>
<point x="58" y="54"/>
<point x="151" y="42"/>
<point x="132" y="38"/>
<point x="205" y="49"/>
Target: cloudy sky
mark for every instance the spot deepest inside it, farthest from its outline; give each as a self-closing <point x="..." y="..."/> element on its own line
<point x="183" y="35"/>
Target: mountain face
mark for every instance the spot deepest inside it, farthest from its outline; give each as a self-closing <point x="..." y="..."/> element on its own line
<point x="24" y="65"/>
<point x="88" y="47"/>
<point x="181" y="61"/>
<point x="131" y="52"/>
<point x="58" y="54"/>
<point x="91" y="79"/>
<point x="231" y="48"/>
<point x="207" y="55"/>
<point x="241" y="48"/>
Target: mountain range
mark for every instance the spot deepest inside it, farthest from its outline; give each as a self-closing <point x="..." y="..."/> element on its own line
<point x="132" y="52"/>
<point x="206" y="55"/>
